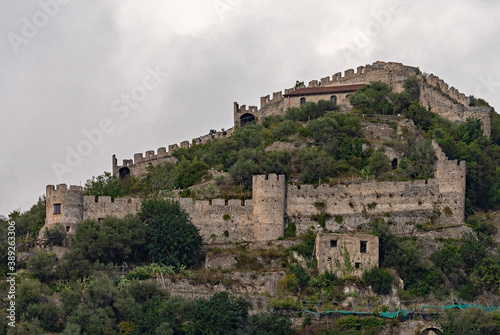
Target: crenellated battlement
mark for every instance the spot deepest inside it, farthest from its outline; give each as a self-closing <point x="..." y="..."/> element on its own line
<point x="141" y="161"/>
<point x="243" y="109"/>
<point x="443" y="87"/>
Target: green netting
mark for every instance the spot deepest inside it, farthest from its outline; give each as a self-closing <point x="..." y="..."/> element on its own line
<point x="390" y="315"/>
<point x="405" y="312"/>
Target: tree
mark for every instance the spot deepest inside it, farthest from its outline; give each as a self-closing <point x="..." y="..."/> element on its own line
<point x="221" y="315"/>
<point x="379" y="163"/>
<point x="41" y="265"/>
<point x="172" y="238"/>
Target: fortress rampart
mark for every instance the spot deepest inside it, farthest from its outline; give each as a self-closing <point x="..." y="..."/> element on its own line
<point x="347" y="207"/>
<point x="445" y="101"/>
<point x="140" y="163"/>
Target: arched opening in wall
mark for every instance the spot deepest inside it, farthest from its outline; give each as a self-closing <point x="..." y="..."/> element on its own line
<point x="246" y="119"/>
<point x="123" y="172"/>
<point x="394" y="163"/>
<point x="432" y="331"/>
<point x="333" y="98"/>
<point x="302" y="101"/>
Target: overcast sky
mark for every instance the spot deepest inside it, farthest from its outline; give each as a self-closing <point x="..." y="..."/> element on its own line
<point x="146" y="74"/>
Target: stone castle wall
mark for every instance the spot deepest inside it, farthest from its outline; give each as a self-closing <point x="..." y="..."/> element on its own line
<point x="221" y="222"/>
<point x="347" y="207"/>
<point x="140" y="163"/>
<point x="445" y="101"/>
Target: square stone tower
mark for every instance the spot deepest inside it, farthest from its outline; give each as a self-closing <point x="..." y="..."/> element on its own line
<point x="269" y="201"/>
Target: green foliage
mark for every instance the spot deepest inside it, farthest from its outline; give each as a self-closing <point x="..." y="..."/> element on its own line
<point x="290" y="230"/>
<point x="226" y="217"/>
<point x="306" y="247"/>
<point x="356" y="325"/>
<point x="287" y="303"/>
<point x="378" y="163"/>
<point x="31" y="221"/>
<point x="300" y="278"/>
<point x="55" y="235"/>
<point x="219" y="315"/>
<point x="420" y="159"/>
<point x="113" y="240"/>
<point x="469" y="322"/>
<point x="104" y="185"/>
<point x="41" y="264"/>
<point x="379" y="279"/>
<point x="403" y="255"/>
<point x="172" y="238"/>
<point x="468" y="266"/>
<point x="310" y="111"/>
<point x="412" y="87"/>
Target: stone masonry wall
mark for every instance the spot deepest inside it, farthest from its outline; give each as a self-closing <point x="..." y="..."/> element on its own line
<point x="445" y="101"/>
<point x="344" y="206"/>
<point x="209" y="218"/>
<point x="351" y="206"/>
<point x="141" y="161"/>
<point x="269" y="196"/>
<point x="71" y="204"/>
<point x="103" y="207"/>
<point x="333" y="250"/>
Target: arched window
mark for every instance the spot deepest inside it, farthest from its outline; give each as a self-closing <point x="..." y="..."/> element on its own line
<point x="302" y="101"/>
<point x="123" y="172"/>
<point x="333" y="98"/>
<point x="246" y="118"/>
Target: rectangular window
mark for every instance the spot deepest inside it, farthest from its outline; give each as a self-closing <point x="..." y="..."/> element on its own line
<point x="67" y="229"/>
<point x="57" y="208"/>
<point x="356" y="265"/>
<point x="362" y="246"/>
<point x="333" y="243"/>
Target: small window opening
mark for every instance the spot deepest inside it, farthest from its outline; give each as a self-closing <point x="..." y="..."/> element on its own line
<point x="394" y="163"/>
<point x="302" y="101"/>
<point x="362" y="246"/>
<point x="57" y="208"/>
<point x="333" y="243"/>
<point x="329" y="259"/>
<point x="67" y="229"/>
<point x="333" y="98"/>
<point x="356" y="265"/>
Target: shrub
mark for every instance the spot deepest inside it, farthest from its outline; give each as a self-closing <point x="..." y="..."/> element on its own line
<point x="290" y="230"/>
<point x="380" y="280"/>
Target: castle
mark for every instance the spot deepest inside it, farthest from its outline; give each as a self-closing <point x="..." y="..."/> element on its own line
<point x="275" y="204"/>
<point x="443" y="100"/>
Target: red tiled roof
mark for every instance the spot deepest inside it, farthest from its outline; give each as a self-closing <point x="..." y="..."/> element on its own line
<point x="324" y="90"/>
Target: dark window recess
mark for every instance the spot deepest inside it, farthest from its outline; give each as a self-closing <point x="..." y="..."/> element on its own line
<point x="329" y="259"/>
<point x="302" y="101"/>
<point x="333" y="98"/>
<point x="67" y="229"/>
<point x="99" y="220"/>
<point x="362" y="246"/>
<point x="333" y="243"/>
<point x="356" y="265"/>
<point x="57" y="208"/>
<point x="246" y="119"/>
<point x="394" y="163"/>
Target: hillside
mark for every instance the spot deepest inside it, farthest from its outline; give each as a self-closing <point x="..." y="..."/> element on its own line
<point x="160" y="271"/>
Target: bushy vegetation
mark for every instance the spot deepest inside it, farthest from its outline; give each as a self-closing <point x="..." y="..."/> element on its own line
<point x="102" y="305"/>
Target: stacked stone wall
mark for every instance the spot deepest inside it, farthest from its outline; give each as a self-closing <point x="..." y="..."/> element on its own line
<point x="104" y="206"/>
<point x="217" y="217"/>
<point x="141" y="161"/>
